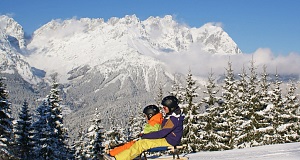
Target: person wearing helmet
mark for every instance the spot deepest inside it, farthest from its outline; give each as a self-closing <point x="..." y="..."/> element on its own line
<point x="170" y="105"/>
<point x="154" y="120"/>
<point x="169" y="135"/>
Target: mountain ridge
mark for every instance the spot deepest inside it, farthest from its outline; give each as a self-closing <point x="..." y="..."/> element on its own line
<point x="97" y="40"/>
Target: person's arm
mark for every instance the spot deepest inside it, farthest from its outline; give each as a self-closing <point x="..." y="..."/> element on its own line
<point x="167" y="129"/>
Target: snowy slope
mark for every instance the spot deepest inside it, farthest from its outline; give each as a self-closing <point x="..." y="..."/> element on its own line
<point x="288" y="151"/>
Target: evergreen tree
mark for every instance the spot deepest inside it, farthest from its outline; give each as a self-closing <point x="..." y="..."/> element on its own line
<point x="264" y="88"/>
<point x="90" y="135"/>
<point x="243" y="133"/>
<point x="79" y="145"/>
<point x="190" y="109"/>
<point x="56" y="121"/>
<point x="251" y="108"/>
<point x="6" y="126"/>
<point x="264" y="131"/>
<point x="177" y="90"/>
<point x="243" y="89"/>
<point x="96" y="138"/>
<point x="50" y="134"/>
<point x="254" y="107"/>
<point x="116" y="134"/>
<point x="111" y="135"/>
<point x="230" y="110"/>
<point x="207" y="134"/>
<point x="43" y="134"/>
<point x="24" y="133"/>
<point x="275" y="112"/>
<point x="159" y="95"/>
<point x="136" y="123"/>
<point x="291" y="128"/>
<point x="211" y="91"/>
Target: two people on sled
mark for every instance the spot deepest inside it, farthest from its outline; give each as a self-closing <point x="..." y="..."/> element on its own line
<point x="170" y="133"/>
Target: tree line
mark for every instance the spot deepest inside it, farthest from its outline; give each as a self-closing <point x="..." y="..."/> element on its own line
<point x="246" y="110"/>
<point x="251" y="110"/>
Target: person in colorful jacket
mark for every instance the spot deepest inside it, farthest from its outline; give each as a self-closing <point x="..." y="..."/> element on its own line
<point x="169" y="135"/>
<point x="154" y="120"/>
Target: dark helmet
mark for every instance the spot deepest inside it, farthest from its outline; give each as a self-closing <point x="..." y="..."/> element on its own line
<point x="171" y="102"/>
<point x="150" y="111"/>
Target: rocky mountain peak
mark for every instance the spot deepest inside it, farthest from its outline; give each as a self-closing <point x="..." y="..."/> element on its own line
<point x="14" y="31"/>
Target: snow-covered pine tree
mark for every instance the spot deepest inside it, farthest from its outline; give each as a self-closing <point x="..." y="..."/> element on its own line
<point x="243" y="88"/>
<point x="211" y="91"/>
<point x="122" y="132"/>
<point x="190" y="109"/>
<point x="56" y="121"/>
<point x="177" y="90"/>
<point x="207" y="134"/>
<point x="263" y="130"/>
<point x="43" y="134"/>
<point x="250" y="102"/>
<point x="243" y="132"/>
<point x="254" y="106"/>
<point x="253" y="90"/>
<point x="275" y="112"/>
<point x="79" y="145"/>
<point x="229" y="111"/>
<point x="96" y="137"/>
<point x="291" y="128"/>
<point x="6" y="126"/>
<point x="115" y="134"/>
<point x="24" y="134"/>
<point x="90" y="135"/>
<point x="110" y="134"/>
<point x="264" y="88"/>
<point x="136" y="122"/>
<point x="159" y="96"/>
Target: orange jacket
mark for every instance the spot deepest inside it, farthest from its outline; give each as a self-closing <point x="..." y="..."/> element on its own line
<point x="154" y="124"/>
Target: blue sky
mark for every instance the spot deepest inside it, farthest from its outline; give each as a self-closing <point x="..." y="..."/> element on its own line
<point x="252" y="24"/>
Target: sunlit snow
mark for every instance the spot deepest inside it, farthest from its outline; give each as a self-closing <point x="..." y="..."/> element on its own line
<point x="288" y="151"/>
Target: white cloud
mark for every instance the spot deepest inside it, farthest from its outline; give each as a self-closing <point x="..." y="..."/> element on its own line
<point x="217" y="24"/>
<point x="65" y="28"/>
<point x="282" y="64"/>
<point x="202" y="63"/>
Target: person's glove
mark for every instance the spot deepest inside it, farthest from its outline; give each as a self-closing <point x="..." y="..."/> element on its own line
<point x="140" y="135"/>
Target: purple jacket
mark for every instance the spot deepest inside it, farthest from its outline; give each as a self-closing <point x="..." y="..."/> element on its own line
<point x="172" y="130"/>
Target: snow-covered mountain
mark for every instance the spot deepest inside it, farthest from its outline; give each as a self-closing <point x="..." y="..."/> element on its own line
<point x="14" y="32"/>
<point x="11" y="39"/>
<point x="109" y="65"/>
<point x="69" y="44"/>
